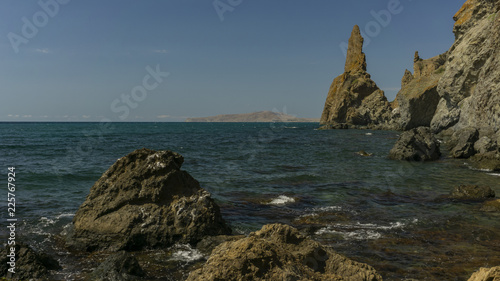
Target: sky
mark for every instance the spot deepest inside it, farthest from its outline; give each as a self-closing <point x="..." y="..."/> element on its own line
<point x="152" y="60"/>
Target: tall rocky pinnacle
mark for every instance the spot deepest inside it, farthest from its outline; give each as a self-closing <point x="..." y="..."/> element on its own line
<point x="356" y="59"/>
<point x="354" y="99"/>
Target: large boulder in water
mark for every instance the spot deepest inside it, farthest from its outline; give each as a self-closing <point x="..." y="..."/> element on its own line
<point x="417" y="144"/>
<point x="280" y="252"/>
<point x="145" y="200"/>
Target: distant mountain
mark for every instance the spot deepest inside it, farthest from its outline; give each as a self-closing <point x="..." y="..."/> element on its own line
<point x="261" y="116"/>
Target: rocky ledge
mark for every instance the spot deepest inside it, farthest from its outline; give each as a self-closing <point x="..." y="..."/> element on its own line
<point x="145" y="200"/>
<point x="280" y="252"/>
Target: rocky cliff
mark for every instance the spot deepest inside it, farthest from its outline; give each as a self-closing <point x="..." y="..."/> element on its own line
<point x="470" y="87"/>
<point x="354" y="98"/>
<point x="469" y="90"/>
<point x="418" y="98"/>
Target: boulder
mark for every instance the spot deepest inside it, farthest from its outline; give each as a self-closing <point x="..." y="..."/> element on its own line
<point x="29" y="263"/>
<point x="491" y="206"/>
<point x="463" y="141"/>
<point x="145" y="200"/>
<point x="470" y="86"/>
<point x="121" y="266"/>
<point x="486" y="274"/>
<point x="472" y="193"/>
<point x="418" y="144"/>
<point x="280" y="252"/>
<point x="354" y="98"/>
<point x="489" y="161"/>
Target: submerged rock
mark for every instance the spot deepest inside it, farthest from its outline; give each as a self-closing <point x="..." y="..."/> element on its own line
<point x="491" y="206"/>
<point x="145" y="200"/>
<point x="417" y="144"/>
<point x="472" y="193"/>
<point x="280" y="252"/>
<point x="486" y="274"/>
<point x="121" y="266"/>
<point x="29" y="264"/>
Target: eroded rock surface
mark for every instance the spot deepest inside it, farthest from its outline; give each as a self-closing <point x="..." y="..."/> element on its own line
<point x="354" y="99"/>
<point x="29" y="264"/>
<point x="145" y="200"/>
<point x="280" y="252"/>
<point x="486" y="274"/>
<point x="417" y="144"/>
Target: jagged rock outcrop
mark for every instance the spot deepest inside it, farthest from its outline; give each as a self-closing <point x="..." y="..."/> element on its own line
<point x="29" y="264"/>
<point x="354" y="98"/>
<point x="486" y="274"/>
<point x="418" y="144"/>
<point x="280" y="252"/>
<point x="418" y="98"/>
<point x="145" y="200"/>
<point x="470" y="86"/>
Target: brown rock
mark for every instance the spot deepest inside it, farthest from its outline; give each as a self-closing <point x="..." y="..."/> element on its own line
<point x="418" y="97"/>
<point x="280" y="252"/>
<point x="356" y="59"/>
<point x="491" y="206"/>
<point x="145" y="200"/>
<point x="472" y="193"/>
<point x="354" y="98"/>
<point x="486" y="274"/>
<point x="470" y="86"/>
<point x="418" y="144"/>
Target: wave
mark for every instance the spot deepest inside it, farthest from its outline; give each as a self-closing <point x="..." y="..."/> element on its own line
<point x="281" y="200"/>
<point x="185" y="253"/>
<point x="360" y="231"/>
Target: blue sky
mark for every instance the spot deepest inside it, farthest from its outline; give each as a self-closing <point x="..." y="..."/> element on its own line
<point x="87" y="60"/>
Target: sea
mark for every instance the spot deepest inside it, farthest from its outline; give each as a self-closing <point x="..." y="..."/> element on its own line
<point x="393" y="215"/>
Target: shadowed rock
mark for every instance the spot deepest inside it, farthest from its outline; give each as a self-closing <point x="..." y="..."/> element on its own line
<point x="280" y="252"/>
<point x="145" y="200"/>
<point x="28" y="263"/>
<point x="417" y="144"/>
<point x="472" y="193"/>
<point x="418" y="97"/>
<point x="121" y="266"/>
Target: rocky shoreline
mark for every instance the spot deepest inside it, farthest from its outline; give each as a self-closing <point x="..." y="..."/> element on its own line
<point x="455" y="94"/>
<point x="144" y="205"/>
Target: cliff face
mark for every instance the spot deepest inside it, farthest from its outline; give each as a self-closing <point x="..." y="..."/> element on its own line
<point x="470" y="87"/>
<point x="418" y="97"/>
<point x="353" y="97"/>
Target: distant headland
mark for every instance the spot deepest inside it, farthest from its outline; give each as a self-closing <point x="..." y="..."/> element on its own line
<point x="261" y="116"/>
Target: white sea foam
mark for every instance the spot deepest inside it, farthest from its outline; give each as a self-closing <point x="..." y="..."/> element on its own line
<point x="186" y="253"/>
<point x="281" y="200"/>
<point x="368" y="134"/>
<point x="494" y="174"/>
<point x="360" y="231"/>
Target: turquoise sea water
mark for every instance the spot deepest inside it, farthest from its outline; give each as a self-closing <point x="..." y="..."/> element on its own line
<point x="389" y="214"/>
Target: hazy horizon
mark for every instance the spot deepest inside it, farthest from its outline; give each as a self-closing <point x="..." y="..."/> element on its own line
<point x="167" y="61"/>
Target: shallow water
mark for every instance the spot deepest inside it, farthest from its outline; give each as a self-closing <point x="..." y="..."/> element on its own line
<point x="386" y="213"/>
